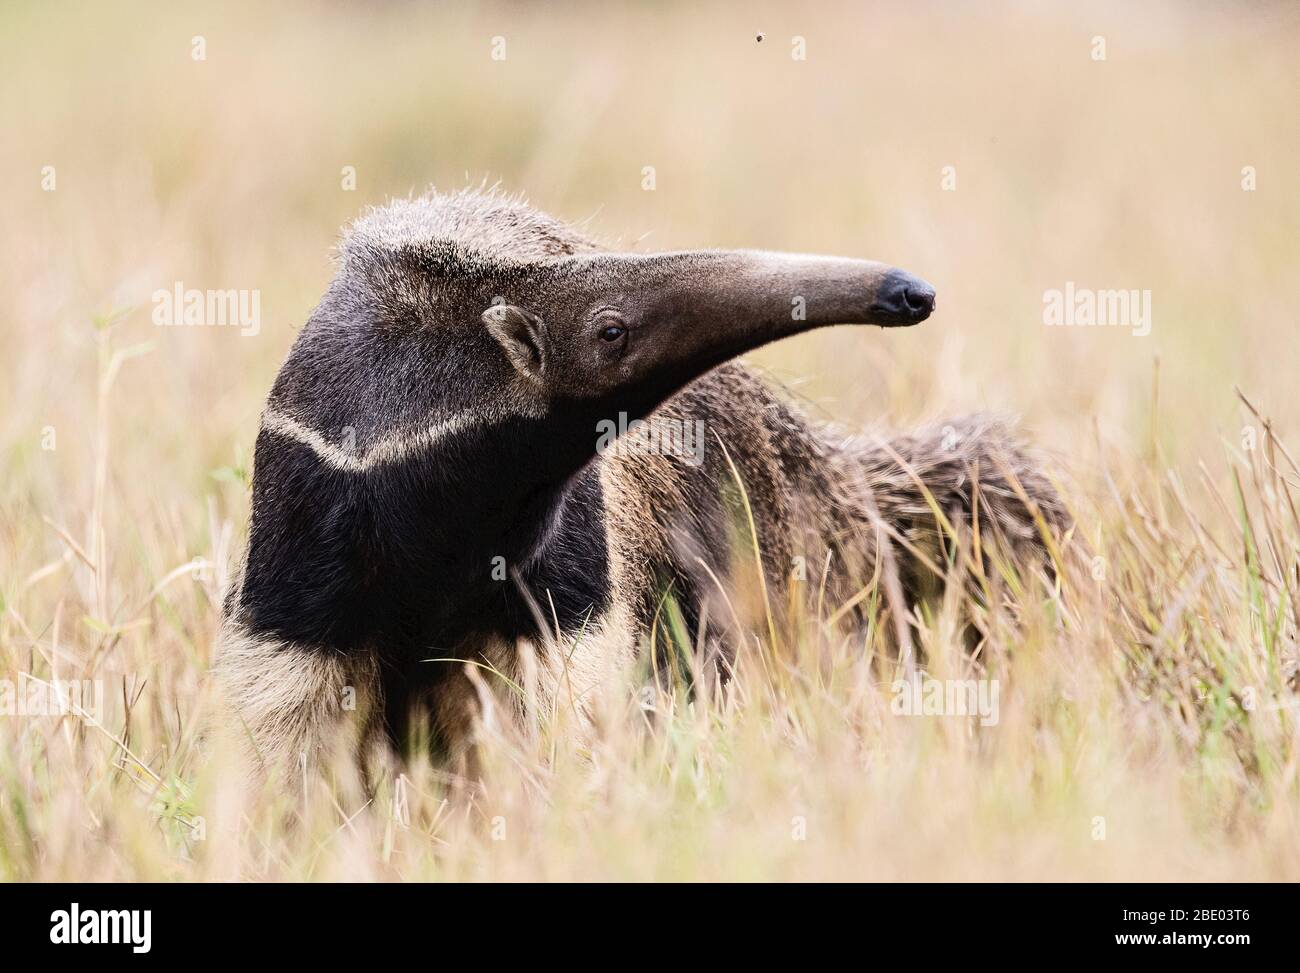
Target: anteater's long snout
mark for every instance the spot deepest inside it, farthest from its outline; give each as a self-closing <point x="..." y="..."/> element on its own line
<point x="771" y="295"/>
<point x="757" y="295"/>
<point x="902" y="299"/>
<point x="688" y="311"/>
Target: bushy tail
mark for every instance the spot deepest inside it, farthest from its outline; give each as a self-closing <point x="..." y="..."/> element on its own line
<point x="970" y="481"/>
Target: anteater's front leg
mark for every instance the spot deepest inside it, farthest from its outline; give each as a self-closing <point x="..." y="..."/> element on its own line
<point x="296" y="707"/>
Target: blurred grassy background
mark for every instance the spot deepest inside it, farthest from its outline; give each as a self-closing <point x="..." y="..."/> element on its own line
<point x="226" y="173"/>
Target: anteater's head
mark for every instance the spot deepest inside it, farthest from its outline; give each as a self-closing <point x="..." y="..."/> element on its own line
<point x="474" y="305"/>
<point x="624" y="331"/>
<point x="457" y="372"/>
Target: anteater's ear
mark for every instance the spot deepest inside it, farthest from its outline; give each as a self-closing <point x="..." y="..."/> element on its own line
<point x="522" y="335"/>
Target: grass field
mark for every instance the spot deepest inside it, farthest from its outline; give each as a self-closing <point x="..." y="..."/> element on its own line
<point x="1148" y="711"/>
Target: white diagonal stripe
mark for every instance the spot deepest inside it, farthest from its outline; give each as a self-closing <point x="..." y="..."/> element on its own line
<point x="391" y="449"/>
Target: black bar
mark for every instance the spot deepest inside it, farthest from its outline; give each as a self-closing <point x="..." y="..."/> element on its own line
<point x="332" y="922"/>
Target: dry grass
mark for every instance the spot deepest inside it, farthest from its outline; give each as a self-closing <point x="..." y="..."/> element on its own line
<point x="1154" y="688"/>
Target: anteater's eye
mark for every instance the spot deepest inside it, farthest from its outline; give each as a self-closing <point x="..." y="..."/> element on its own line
<point x="612" y="332"/>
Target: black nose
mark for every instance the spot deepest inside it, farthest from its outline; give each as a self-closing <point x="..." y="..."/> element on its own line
<point x="902" y="299"/>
